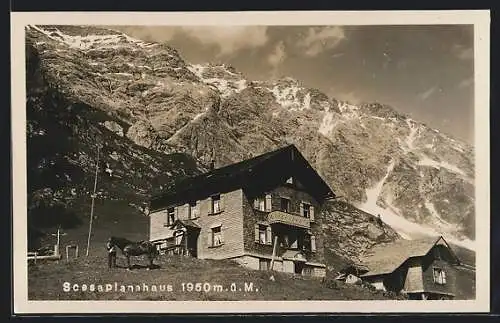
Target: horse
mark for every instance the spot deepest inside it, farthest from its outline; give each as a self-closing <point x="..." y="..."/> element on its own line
<point x="130" y="248"/>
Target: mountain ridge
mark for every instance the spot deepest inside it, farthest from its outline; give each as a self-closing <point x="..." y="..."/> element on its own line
<point x="211" y="111"/>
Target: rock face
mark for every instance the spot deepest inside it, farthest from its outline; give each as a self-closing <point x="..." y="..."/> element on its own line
<point x="418" y="179"/>
<point x="351" y="232"/>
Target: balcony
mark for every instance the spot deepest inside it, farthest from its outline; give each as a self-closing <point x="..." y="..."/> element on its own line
<point x="288" y="219"/>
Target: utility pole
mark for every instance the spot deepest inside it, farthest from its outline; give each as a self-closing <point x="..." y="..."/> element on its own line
<point x="93" y="201"/>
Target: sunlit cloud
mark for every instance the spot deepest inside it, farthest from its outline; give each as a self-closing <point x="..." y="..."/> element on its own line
<point x="427" y="93"/>
<point x="466" y="82"/>
<point x="462" y="52"/>
<point x="229" y="39"/>
<point x="320" y="39"/>
<point x="278" y="55"/>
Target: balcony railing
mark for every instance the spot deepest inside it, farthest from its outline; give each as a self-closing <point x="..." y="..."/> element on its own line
<point x="288" y="219"/>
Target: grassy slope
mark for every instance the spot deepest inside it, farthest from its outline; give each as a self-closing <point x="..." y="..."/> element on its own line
<point x="45" y="281"/>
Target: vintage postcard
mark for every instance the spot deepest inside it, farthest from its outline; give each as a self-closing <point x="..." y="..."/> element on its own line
<point x="251" y="162"/>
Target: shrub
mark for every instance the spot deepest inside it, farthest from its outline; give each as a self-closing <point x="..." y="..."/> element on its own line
<point x="330" y="283"/>
<point x="368" y="286"/>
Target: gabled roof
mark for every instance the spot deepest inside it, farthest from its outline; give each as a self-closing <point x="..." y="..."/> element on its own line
<point x="261" y="171"/>
<point x="385" y="258"/>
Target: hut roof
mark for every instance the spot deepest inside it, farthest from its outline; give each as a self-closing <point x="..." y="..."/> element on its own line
<point x="263" y="170"/>
<point x="385" y="258"/>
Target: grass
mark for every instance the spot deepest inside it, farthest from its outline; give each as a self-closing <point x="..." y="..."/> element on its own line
<point x="46" y="279"/>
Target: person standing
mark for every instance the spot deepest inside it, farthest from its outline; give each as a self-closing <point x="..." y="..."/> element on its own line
<point x="111" y="254"/>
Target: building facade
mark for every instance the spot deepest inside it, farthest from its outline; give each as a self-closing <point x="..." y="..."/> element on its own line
<point x="421" y="269"/>
<point x="263" y="213"/>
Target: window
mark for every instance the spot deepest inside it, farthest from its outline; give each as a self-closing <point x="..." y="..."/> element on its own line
<point x="216" y="204"/>
<point x="290" y="180"/>
<point x="263" y="234"/>
<point x="439" y="276"/>
<point x="262" y="203"/>
<point x="285" y="205"/>
<point x="216" y="236"/>
<point x="170" y="216"/>
<point x="306" y="210"/>
<point x="192" y="210"/>
<point x="264" y="264"/>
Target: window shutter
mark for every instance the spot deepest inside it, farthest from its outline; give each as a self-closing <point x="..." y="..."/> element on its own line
<point x="221" y="203"/>
<point x="301" y="208"/>
<point x="256" y="203"/>
<point x="268" y="202"/>
<point x="197" y="209"/>
<point x="256" y="226"/>
<point x="313" y="243"/>
<point x="268" y="235"/>
<point x="311" y="213"/>
<point x="222" y="229"/>
<point x="176" y="212"/>
<point x="209" y="238"/>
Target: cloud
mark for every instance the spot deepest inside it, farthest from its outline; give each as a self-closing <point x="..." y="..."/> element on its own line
<point x="337" y="55"/>
<point x="319" y="39"/>
<point x="148" y="33"/>
<point x="278" y="55"/>
<point x="463" y="52"/>
<point x="466" y="83"/>
<point x="229" y="39"/>
<point x="426" y="94"/>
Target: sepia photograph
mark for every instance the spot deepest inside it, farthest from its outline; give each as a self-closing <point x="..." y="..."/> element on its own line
<point x="300" y="161"/>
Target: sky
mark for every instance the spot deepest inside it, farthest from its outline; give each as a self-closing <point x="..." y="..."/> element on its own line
<point x="425" y="71"/>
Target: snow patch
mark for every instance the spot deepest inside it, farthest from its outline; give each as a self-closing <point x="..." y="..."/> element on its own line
<point x="374" y="192"/>
<point x="197" y="69"/>
<point x="123" y="74"/>
<point x="307" y="101"/>
<point x="435" y="214"/>
<point x="348" y="111"/>
<point x="195" y="118"/>
<point x="89" y="41"/>
<point x="392" y="216"/>
<point x="426" y="161"/>
<point x="286" y="96"/>
<point x="327" y="123"/>
<point x="412" y="135"/>
<point x="225" y="87"/>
